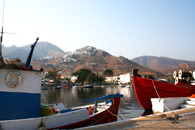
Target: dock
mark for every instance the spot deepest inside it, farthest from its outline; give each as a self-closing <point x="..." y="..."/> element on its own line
<point x="161" y="121"/>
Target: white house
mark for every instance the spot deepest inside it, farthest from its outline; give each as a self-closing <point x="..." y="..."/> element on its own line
<point x="125" y="78"/>
<point x="112" y="79"/>
<point x="73" y="79"/>
<point x="193" y="74"/>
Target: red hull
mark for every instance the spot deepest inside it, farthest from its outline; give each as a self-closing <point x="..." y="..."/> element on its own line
<point x="100" y="118"/>
<point x="145" y="90"/>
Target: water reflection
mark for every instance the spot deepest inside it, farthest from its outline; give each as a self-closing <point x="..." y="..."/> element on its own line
<point x="71" y="97"/>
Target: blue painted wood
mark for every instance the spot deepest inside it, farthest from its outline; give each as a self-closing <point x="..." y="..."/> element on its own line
<point x="16" y="105"/>
<point x="105" y="97"/>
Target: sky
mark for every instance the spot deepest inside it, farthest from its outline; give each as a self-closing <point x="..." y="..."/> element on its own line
<point x="129" y="28"/>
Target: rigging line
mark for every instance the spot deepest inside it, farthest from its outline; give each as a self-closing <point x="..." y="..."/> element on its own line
<point x="156" y="90"/>
<point x="3" y="13"/>
<point x="2" y="24"/>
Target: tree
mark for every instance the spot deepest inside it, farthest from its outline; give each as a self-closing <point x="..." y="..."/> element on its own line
<point x="91" y="78"/>
<point x="50" y="75"/>
<point x="100" y="79"/>
<point x="54" y="76"/>
<point x="85" y="75"/>
<point x="149" y="76"/>
<point x="108" y="72"/>
<point x="81" y="75"/>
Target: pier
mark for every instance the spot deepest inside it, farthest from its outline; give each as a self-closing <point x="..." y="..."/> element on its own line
<point x="186" y="118"/>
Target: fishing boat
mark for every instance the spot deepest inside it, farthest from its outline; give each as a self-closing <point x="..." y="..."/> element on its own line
<point x="88" y="86"/>
<point x="99" y="113"/>
<point x="20" y="95"/>
<point x="146" y="89"/>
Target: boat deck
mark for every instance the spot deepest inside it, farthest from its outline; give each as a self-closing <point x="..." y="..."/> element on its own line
<point x="152" y="122"/>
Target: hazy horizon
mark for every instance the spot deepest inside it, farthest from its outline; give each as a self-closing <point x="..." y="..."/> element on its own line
<point x="129" y="28"/>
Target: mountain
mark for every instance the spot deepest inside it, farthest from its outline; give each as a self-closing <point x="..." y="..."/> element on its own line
<point x="47" y="54"/>
<point x="42" y="50"/>
<point x="97" y="61"/>
<point x="14" y="52"/>
<point x="164" y="64"/>
<point x="3" y="47"/>
<point x="45" y="50"/>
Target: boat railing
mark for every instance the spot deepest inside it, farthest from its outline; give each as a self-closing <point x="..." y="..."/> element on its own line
<point x="104" y="97"/>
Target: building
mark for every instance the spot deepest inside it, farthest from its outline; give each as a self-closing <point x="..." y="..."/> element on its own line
<point x="193" y="75"/>
<point x="121" y="79"/>
<point x="125" y="78"/>
<point x="113" y="79"/>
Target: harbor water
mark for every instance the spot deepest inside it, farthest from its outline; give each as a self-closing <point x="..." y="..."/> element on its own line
<point x="72" y="97"/>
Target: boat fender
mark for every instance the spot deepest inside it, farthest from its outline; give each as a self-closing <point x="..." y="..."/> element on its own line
<point x="53" y="110"/>
<point x="46" y="111"/>
<point x="176" y="80"/>
<point x="193" y="96"/>
<point x="14" y="79"/>
<point x="90" y="110"/>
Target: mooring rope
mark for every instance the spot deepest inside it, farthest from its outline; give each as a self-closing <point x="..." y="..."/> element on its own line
<point x="121" y="115"/>
<point x="175" y="116"/>
<point x="42" y="124"/>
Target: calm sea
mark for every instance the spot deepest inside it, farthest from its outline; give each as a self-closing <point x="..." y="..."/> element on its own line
<point x="72" y="97"/>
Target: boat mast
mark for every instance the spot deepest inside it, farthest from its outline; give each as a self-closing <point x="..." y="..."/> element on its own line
<point x="1" y="41"/>
<point x="31" y="53"/>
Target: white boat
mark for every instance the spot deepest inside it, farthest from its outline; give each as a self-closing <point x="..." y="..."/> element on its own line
<point x="122" y="85"/>
<point x="88" y="86"/>
<point x="193" y="82"/>
<point x="20" y="94"/>
<point x="58" y="87"/>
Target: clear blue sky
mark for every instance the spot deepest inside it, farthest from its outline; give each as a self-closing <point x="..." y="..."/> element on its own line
<point x="128" y="28"/>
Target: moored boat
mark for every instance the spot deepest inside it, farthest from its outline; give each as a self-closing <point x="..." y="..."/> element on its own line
<point x="146" y="89"/>
<point x="99" y="114"/>
<point x="20" y="96"/>
<point x="88" y="86"/>
<point x="20" y="92"/>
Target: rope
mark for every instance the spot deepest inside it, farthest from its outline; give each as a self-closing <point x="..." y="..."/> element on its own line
<point x="98" y="120"/>
<point x="42" y="124"/>
<point x="102" y="117"/>
<point x="1" y="127"/>
<point x="175" y="116"/>
<point x="111" y="113"/>
<point x="121" y="115"/>
<point x="156" y="90"/>
<point x="116" y="112"/>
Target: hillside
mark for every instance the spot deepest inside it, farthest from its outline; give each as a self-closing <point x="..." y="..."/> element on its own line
<point x="97" y="61"/>
<point x="46" y="55"/>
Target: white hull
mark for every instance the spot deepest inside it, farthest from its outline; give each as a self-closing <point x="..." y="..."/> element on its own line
<point x="48" y="122"/>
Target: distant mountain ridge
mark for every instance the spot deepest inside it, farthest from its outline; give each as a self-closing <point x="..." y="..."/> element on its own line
<point x="164" y="64"/>
<point x="42" y="50"/>
<point x="98" y="60"/>
<point x="95" y="59"/>
<point x="88" y="57"/>
<point x="15" y="52"/>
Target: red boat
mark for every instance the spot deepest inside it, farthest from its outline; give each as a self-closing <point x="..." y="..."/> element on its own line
<point x="146" y="89"/>
<point x="106" y="115"/>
